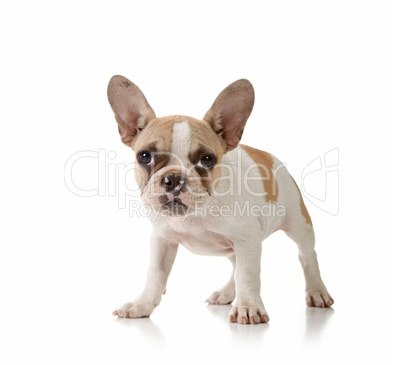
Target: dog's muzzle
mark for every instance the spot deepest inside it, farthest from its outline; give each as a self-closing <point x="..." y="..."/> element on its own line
<point x="173" y="183"/>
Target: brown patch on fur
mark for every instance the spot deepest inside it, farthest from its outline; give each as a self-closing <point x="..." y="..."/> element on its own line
<point x="303" y="207"/>
<point x="160" y="137"/>
<point x="204" y="137"/>
<point x="158" y="132"/>
<point x="265" y="165"/>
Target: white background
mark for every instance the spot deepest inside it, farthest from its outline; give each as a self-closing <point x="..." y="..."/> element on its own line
<point x="320" y="72"/>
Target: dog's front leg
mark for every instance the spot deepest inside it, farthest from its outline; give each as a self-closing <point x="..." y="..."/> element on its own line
<point x="162" y="256"/>
<point x="248" y="308"/>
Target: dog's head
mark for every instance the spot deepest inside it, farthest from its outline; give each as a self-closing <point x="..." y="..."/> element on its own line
<point x="178" y="157"/>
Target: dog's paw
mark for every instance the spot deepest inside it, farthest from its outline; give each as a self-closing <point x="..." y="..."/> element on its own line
<point x="135" y="309"/>
<point x="318" y="298"/>
<point x="248" y="314"/>
<point x="221" y="297"/>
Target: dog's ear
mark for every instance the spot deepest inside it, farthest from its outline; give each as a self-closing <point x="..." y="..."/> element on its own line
<point x="229" y="112"/>
<point x="130" y="107"/>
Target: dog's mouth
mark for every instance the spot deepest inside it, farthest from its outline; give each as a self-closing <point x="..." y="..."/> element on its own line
<point x="175" y="207"/>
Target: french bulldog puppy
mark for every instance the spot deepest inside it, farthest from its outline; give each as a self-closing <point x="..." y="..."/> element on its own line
<point x="213" y="196"/>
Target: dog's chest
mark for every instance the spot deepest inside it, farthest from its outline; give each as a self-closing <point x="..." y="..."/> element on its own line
<point x="202" y="243"/>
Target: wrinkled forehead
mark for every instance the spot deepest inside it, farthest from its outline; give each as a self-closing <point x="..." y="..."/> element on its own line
<point x="180" y="135"/>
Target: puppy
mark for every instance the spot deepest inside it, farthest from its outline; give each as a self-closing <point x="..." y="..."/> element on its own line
<point x="213" y="196"/>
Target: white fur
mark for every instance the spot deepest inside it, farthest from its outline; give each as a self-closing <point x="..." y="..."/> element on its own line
<point x="181" y="141"/>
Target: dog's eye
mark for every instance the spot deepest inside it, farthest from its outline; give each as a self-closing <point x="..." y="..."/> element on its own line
<point x="207" y="162"/>
<point x="145" y="158"/>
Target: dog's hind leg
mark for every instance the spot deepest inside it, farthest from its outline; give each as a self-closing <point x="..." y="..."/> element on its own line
<point x="299" y="228"/>
<point x="227" y="293"/>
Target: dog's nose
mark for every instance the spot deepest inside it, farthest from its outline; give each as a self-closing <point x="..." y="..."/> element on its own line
<point x="173" y="183"/>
